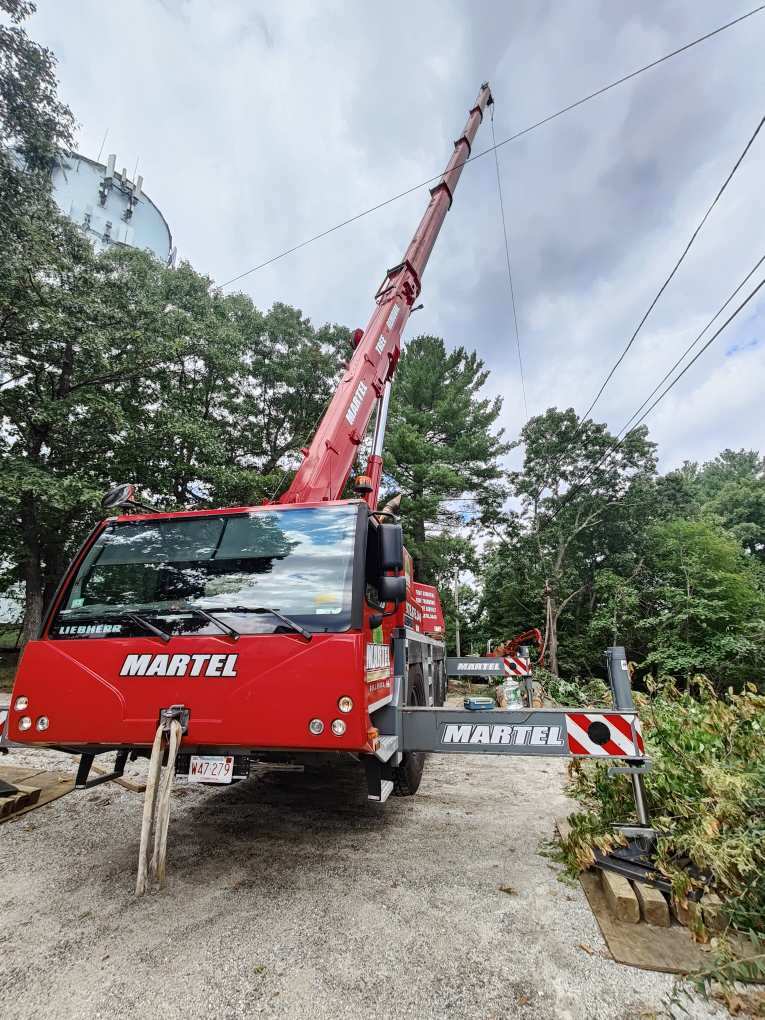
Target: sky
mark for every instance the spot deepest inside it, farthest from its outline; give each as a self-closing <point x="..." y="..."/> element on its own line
<point x="256" y="125"/>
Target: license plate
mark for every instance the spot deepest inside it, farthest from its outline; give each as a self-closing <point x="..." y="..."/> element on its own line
<point x="211" y="768"/>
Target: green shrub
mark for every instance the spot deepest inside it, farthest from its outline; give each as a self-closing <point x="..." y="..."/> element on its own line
<point x="576" y="692"/>
<point x="705" y="794"/>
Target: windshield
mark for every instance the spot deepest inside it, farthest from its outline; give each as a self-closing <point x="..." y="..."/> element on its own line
<point x="298" y="562"/>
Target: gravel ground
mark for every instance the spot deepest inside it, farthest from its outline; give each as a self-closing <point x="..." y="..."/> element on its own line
<point x="290" y="895"/>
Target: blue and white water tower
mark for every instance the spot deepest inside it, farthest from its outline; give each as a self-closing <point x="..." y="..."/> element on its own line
<point x="109" y="208"/>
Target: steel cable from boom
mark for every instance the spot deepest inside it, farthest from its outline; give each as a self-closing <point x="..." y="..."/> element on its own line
<point x="509" y="272"/>
<point x="498" y="145"/>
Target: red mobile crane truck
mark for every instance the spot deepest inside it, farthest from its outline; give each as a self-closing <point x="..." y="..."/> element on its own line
<point x="273" y="626"/>
<point x="285" y="630"/>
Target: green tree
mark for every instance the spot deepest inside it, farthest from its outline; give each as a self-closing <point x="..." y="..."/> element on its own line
<point x="582" y="504"/>
<point x="71" y="340"/>
<point x="442" y="444"/>
<point x="732" y="488"/>
<point x="235" y="401"/>
<point x="702" y="604"/>
<point x="121" y="369"/>
<point x="33" y="121"/>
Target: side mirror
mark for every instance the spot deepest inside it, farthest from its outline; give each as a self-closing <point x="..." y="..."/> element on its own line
<point x="392" y="589"/>
<point x="118" y="496"/>
<point x="391" y="538"/>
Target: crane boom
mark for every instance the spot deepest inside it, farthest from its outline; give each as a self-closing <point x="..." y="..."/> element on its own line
<point x="366" y="381"/>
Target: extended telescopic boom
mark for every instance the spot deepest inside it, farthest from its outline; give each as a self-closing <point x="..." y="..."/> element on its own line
<point x="366" y="382"/>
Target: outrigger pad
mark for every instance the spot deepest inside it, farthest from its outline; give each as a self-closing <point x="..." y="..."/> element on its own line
<point x="6" y="789"/>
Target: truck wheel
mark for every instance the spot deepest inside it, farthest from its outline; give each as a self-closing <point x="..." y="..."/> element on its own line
<point x="441" y="684"/>
<point x="408" y="775"/>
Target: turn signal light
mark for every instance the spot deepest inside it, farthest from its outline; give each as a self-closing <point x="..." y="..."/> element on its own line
<point x="362" y="485"/>
<point x="21" y="703"/>
<point x="345" y="704"/>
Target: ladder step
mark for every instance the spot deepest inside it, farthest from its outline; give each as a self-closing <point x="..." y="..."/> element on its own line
<point x="387" y="747"/>
<point x="386" y="789"/>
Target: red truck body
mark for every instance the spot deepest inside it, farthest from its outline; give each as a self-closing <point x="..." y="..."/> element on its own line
<point x="258" y="691"/>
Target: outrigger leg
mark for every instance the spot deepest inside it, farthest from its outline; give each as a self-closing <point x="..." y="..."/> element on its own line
<point x="82" y="782"/>
<point x="610" y="734"/>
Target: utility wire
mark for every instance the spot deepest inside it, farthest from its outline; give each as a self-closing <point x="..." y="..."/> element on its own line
<point x="509" y="271"/>
<point x="620" y="442"/>
<point x="675" y="268"/>
<point x="693" y="343"/>
<point x="583" y="418"/>
<point x="498" y="145"/>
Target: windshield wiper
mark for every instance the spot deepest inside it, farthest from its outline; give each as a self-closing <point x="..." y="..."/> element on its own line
<point x="261" y="610"/>
<point x="119" y="615"/>
<point x="136" y="618"/>
<point x="225" y="627"/>
<point x="193" y="611"/>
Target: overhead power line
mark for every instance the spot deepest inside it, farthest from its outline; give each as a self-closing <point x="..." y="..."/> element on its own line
<point x="692" y="344"/>
<point x="498" y="145"/>
<point x="675" y="268"/>
<point x="620" y="441"/>
<point x="584" y="417"/>
<point x="509" y="273"/>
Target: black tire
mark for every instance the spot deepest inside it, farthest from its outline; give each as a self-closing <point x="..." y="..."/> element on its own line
<point x="440" y="668"/>
<point x="408" y="775"/>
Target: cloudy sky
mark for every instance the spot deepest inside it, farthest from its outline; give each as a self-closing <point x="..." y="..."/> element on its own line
<point x="259" y="124"/>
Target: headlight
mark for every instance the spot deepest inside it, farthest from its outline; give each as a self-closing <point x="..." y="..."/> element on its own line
<point x="338" y="727"/>
<point x="25" y="723"/>
<point x="316" y="726"/>
<point x="42" y="723"/>
<point x="21" y="703"/>
<point x="345" y="704"/>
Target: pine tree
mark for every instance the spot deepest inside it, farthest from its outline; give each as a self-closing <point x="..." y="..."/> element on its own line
<point x="442" y="444"/>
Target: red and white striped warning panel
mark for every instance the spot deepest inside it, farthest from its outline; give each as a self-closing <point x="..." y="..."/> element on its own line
<point x="606" y="735"/>
<point x="516" y="665"/>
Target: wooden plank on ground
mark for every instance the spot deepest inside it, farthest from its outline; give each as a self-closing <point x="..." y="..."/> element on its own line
<point x="670" y="950"/>
<point x="25" y="796"/>
<point x="49" y="786"/>
<point x="129" y="784"/>
<point x="563" y="827"/>
<point x="653" y="906"/>
<point x="18" y="773"/>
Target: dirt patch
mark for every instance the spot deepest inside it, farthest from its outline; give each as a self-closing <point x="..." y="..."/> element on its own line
<point x="291" y="895"/>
